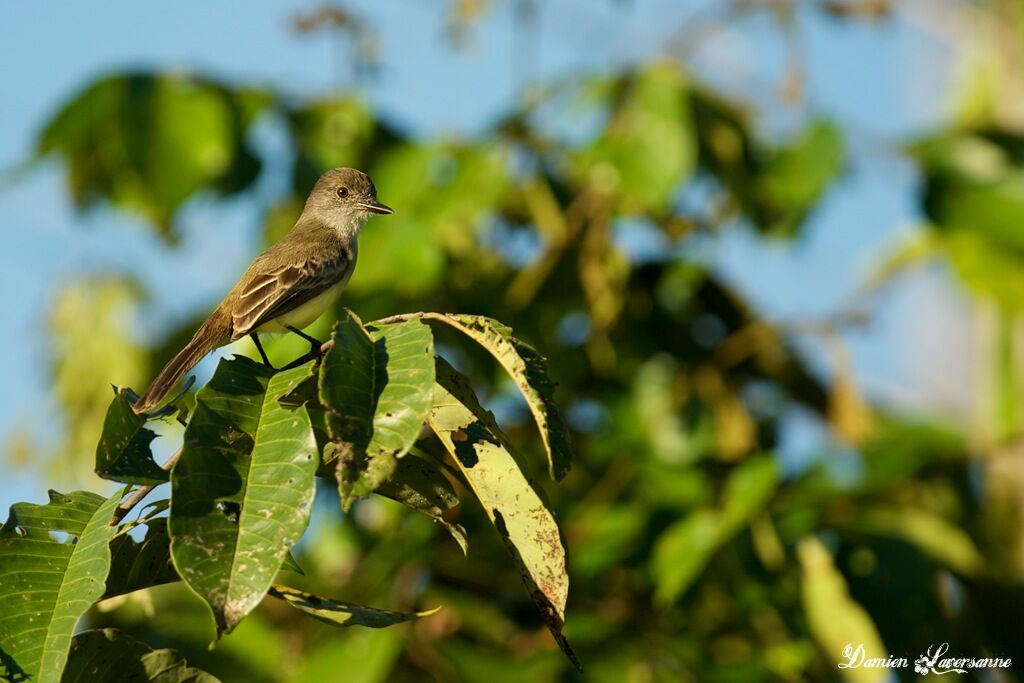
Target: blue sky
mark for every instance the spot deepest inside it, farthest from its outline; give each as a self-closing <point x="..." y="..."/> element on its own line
<point x="879" y="82"/>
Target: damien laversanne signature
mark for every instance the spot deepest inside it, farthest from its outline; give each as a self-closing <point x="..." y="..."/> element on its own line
<point x="933" y="661"/>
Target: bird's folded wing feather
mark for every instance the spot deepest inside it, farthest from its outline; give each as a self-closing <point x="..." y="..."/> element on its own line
<point x="270" y="294"/>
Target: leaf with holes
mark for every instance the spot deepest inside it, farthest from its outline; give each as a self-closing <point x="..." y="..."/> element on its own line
<point x="123" y="453"/>
<point x="342" y="613"/>
<point x="377" y="389"/>
<point x="54" y="560"/>
<point x="243" y="487"/>
<point x="112" y="656"/>
<point x="526" y="525"/>
<point x="528" y="370"/>
<point x="138" y="564"/>
<point x="419" y="484"/>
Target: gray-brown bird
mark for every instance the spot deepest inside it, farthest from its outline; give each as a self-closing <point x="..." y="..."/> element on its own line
<point x="290" y="284"/>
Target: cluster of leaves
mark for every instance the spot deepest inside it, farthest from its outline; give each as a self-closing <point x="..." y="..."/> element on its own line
<point x="700" y="549"/>
<point x="243" y="485"/>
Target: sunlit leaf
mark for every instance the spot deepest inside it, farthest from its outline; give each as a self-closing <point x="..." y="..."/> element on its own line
<point x="525" y="523"/>
<point x="342" y="613"/>
<point x="935" y="536"/>
<point x="377" y="389"/>
<point x="54" y="560"/>
<point x="243" y="487"/>
<point x="528" y="370"/>
<point x="91" y="347"/>
<point x="835" y="619"/>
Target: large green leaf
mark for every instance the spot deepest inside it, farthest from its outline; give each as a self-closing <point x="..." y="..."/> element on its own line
<point x="149" y="142"/>
<point x="243" y="487"/>
<point x="54" y="560"/>
<point x="377" y="390"/>
<point x="526" y="525"/>
<point x="123" y="453"/>
<point x="342" y="613"/>
<point x="112" y="656"/>
<point x="528" y="370"/>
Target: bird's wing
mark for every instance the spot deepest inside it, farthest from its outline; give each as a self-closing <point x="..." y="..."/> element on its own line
<point x="271" y="293"/>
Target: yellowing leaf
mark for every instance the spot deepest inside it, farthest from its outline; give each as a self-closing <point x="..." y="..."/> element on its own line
<point x="836" y="621"/>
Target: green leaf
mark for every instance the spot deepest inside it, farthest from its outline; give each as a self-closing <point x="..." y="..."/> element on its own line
<point x="528" y="370"/>
<point x="934" y="536"/>
<point x="291" y="564"/>
<point x="342" y="613"/>
<point x="684" y="549"/>
<point x="149" y="142"/>
<point x="377" y="390"/>
<point x="123" y="453"/>
<point x="366" y="656"/>
<point x="526" y="525"/>
<point x="835" y="619"/>
<point x="792" y="178"/>
<point x="243" y="487"/>
<point x="135" y="565"/>
<point x="747" y="490"/>
<point x="331" y="132"/>
<point x="649" y="147"/>
<point x="112" y="656"/>
<point x="421" y="485"/>
<point x="54" y="560"/>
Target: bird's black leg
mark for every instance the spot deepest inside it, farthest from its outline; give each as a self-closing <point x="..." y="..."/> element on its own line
<point x="316" y="349"/>
<point x="314" y="343"/>
<point x="259" y="347"/>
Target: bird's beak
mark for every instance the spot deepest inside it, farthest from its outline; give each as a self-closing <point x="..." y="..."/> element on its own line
<point x="373" y="206"/>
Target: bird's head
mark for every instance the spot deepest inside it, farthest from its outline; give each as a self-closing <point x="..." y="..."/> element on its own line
<point x="345" y="196"/>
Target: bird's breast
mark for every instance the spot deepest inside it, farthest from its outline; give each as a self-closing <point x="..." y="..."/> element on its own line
<point x="304" y="315"/>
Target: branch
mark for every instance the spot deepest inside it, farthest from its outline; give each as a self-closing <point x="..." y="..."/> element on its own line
<point x="399" y="318"/>
<point x="138" y="494"/>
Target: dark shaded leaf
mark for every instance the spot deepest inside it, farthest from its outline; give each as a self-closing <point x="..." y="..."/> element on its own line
<point x="135" y="565"/>
<point x="342" y="613"/>
<point x="112" y="656"/>
<point x="420" y="484"/>
<point x="123" y="453"/>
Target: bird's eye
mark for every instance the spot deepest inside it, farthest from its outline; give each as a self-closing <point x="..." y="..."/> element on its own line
<point x="342" y="192"/>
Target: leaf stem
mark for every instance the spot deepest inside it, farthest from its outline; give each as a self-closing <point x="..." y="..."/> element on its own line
<point x="138" y="494"/>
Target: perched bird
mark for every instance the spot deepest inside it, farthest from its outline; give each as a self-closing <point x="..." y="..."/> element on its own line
<point x="290" y="284"/>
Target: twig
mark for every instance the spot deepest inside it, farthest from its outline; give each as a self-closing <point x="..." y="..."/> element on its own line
<point x="138" y="494"/>
<point x="314" y="353"/>
<point x="399" y="318"/>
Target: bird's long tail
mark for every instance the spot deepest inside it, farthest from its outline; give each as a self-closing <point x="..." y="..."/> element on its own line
<point x="215" y="332"/>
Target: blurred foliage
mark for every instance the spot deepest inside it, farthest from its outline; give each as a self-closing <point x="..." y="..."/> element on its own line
<point x="697" y="552"/>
